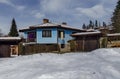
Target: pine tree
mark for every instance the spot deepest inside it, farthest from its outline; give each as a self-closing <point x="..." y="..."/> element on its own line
<point x="96" y="23"/>
<point x="84" y="26"/>
<point x="104" y="24"/>
<point x="13" y="30"/>
<point x="116" y="18"/>
<point x="91" y="24"/>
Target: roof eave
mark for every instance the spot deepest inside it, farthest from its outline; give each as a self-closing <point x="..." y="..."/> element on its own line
<point x="33" y="28"/>
<point x="85" y="34"/>
<point x="29" y="29"/>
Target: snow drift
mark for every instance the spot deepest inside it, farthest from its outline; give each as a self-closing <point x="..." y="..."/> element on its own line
<point x="98" y="64"/>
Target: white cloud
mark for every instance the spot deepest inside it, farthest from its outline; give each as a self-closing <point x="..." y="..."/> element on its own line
<point x="8" y="2"/>
<point x="19" y="7"/>
<point x="107" y="2"/>
<point x="109" y="5"/>
<point x="39" y="15"/>
<point x="96" y="11"/>
<point x="54" y="5"/>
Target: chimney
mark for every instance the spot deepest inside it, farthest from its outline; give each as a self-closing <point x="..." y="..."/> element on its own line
<point x="64" y="23"/>
<point x="45" y="20"/>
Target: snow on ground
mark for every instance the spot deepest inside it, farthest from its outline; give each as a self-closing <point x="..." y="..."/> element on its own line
<point x="98" y="64"/>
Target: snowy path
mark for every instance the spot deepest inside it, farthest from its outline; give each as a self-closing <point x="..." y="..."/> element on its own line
<point x="99" y="64"/>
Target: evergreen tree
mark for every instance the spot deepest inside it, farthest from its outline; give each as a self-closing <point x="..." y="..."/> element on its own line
<point x="104" y="24"/>
<point x="84" y="26"/>
<point x="91" y="25"/>
<point x="96" y="23"/>
<point x="13" y="30"/>
<point x="116" y="18"/>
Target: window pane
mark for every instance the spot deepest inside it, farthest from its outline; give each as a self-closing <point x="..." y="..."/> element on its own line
<point x="31" y="36"/>
<point x="46" y="33"/>
<point x="61" y="34"/>
<point x="43" y="34"/>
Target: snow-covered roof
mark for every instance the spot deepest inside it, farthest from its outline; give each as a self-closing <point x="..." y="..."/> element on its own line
<point x="10" y="38"/>
<point x="86" y="33"/>
<point x="114" y="34"/>
<point x="90" y="30"/>
<point x="45" y="25"/>
<point x="50" y="25"/>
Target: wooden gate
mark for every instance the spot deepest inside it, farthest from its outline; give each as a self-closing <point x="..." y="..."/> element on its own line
<point x="4" y="50"/>
<point x="80" y="45"/>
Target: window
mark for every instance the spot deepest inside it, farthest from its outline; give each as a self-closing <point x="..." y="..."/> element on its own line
<point x="31" y="36"/>
<point x="46" y="33"/>
<point x="61" y="34"/>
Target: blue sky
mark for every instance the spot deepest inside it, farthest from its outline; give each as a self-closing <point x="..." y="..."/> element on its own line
<point x="74" y="12"/>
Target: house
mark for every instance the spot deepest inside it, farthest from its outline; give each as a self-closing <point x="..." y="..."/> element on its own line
<point x="87" y="41"/>
<point x="49" y="34"/>
<point x="113" y="40"/>
<point x="9" y="46"/>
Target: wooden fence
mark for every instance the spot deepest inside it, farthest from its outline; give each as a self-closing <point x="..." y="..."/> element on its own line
<point x="37" y="48"/>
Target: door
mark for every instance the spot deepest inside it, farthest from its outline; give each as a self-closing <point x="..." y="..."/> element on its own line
<point x="4" y="50"/>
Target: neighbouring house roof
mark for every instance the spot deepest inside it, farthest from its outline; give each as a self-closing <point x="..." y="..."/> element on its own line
<point x="10" y="38"/>
<point x="50" y="25"/>
<point x="114" y="34"/>
<point x="86" y="33"/>
<point x="90" y="30"/>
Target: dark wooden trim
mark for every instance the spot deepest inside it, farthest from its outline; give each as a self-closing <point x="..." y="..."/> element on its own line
<point x="59" y="27"/>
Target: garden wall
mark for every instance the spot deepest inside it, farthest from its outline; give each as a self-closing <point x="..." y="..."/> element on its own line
<point x="37" y="48"/>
